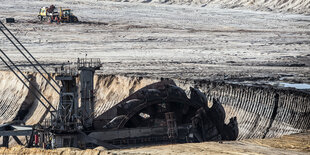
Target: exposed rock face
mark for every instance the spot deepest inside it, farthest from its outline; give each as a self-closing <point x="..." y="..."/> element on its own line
<point x="13" y="95"/>
<point x="261" y="112"/>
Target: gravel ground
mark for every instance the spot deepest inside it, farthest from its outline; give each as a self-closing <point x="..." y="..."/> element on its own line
<point x="297" y="144"/>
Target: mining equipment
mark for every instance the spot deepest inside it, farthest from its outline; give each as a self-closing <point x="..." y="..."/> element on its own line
<point x="158" y="113"/>
<point x="53" y="14"/>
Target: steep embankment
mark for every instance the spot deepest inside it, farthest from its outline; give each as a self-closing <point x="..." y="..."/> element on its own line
<point x="296" y="6"/>
<point x="261" y="111"/>
<point x="17" y="102"/>
<point x="13" y="95"/>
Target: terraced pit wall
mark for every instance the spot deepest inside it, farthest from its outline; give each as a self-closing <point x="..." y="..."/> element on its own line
<point x="261" y="112"/>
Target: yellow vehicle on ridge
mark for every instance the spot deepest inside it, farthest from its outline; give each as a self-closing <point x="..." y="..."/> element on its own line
<point x="53" y="14"/>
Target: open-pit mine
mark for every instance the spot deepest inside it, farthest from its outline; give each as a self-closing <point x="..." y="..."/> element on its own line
<point x="157" y="77"/>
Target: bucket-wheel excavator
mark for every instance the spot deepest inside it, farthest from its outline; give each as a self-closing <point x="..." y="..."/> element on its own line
<point x="158" y="113"/>
<point x="161" y="112"/>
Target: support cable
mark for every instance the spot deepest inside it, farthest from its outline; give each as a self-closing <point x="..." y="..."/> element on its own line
<point x="30" y="54"/>
<point x="30" y="61"/>
<point x="24" y="84"/>
<point x="26" y="79"/>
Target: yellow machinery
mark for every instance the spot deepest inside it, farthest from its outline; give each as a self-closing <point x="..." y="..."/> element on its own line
<point x="66" y="15"/>
<point x="43" y="13"/>
<point x="52" y="14"/>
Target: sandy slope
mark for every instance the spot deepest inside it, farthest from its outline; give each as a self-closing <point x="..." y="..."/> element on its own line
<point x="298" y="144"/>
<point x="287" y="145"/>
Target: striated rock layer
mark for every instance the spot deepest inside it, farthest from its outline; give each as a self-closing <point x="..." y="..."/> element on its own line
<point x="261" y="111"/>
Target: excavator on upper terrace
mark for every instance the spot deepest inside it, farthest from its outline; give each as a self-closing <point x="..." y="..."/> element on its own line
<point x="53" y="14"/>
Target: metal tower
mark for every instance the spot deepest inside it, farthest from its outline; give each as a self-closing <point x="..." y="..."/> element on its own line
<point x="87" y="68"/>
